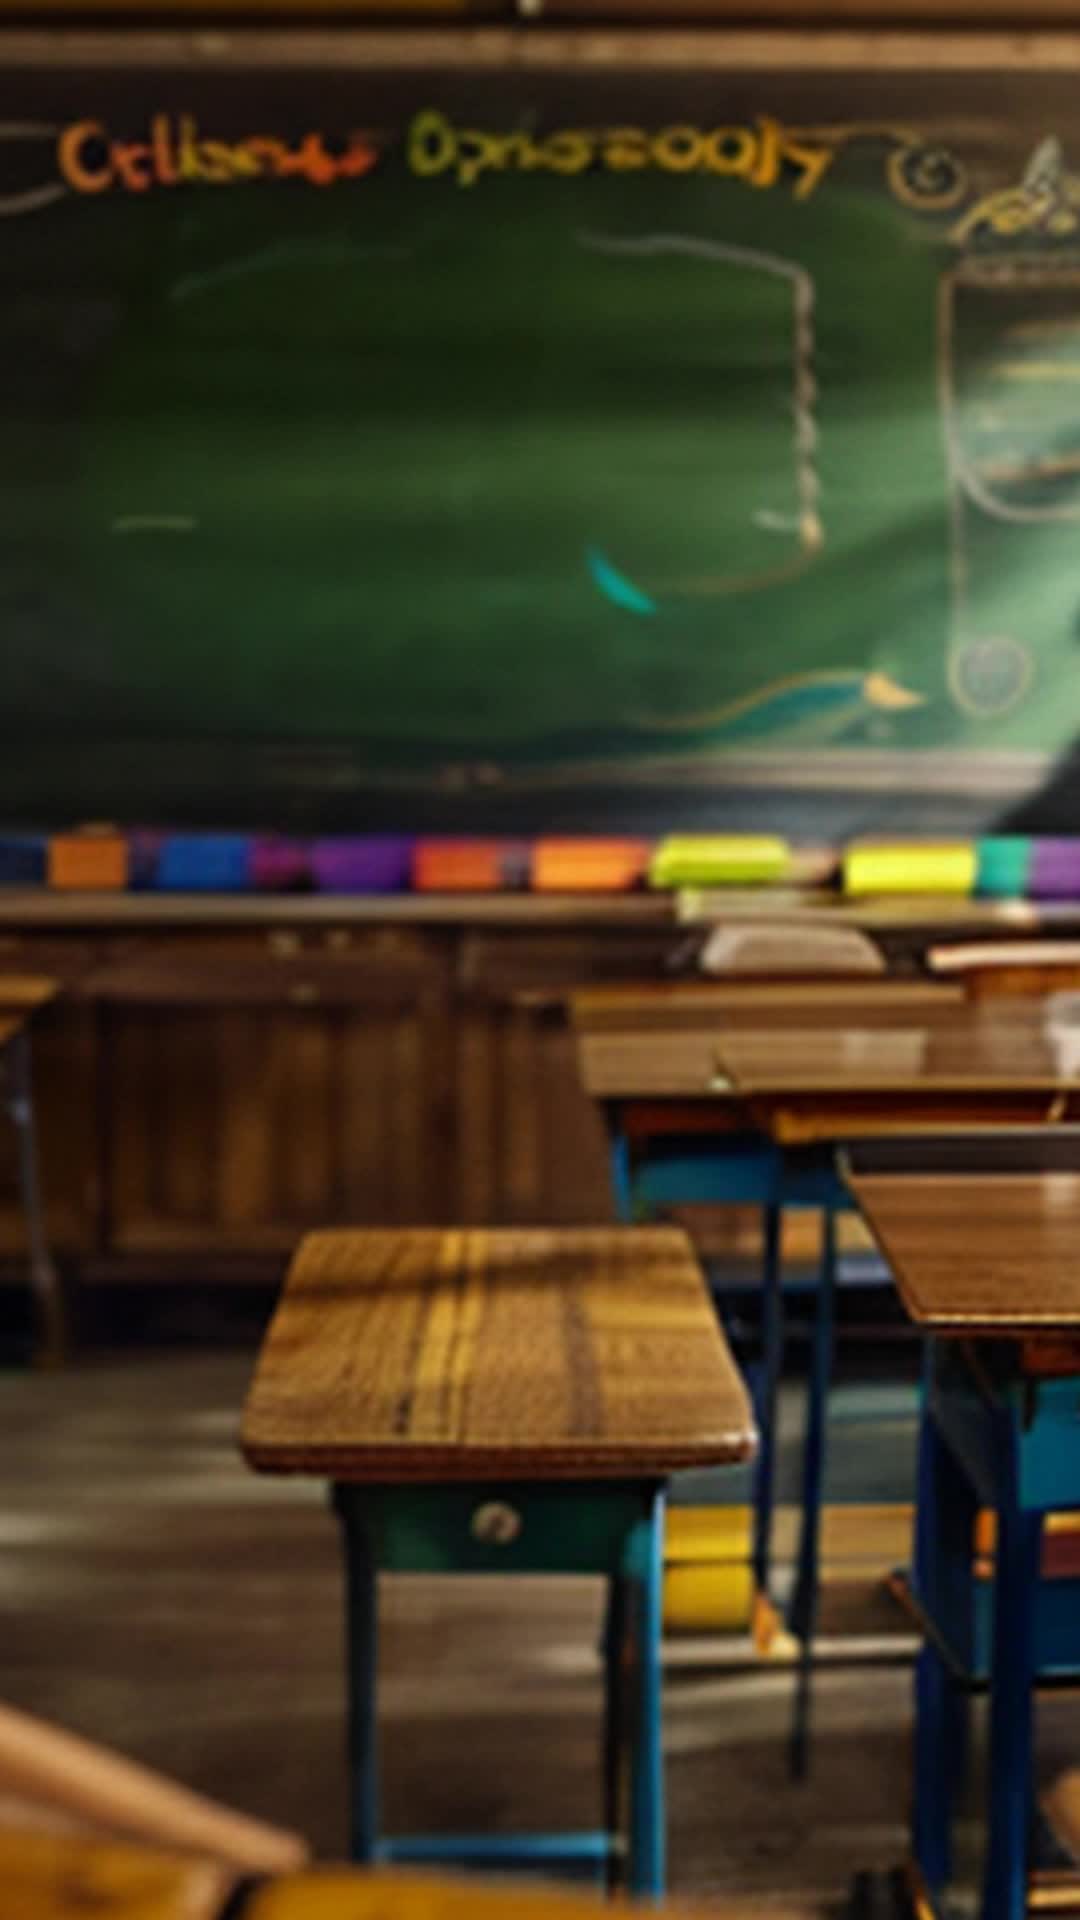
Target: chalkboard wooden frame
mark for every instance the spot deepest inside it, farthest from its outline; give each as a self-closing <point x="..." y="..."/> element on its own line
<point x="869" y="34"/>
<point x="939" y="15"/>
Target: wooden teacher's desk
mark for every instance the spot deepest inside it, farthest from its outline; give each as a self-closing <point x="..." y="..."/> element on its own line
<point x="983" y="1240"/>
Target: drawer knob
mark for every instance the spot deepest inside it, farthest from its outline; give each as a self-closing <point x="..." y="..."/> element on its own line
<point x="496" y="1524"/>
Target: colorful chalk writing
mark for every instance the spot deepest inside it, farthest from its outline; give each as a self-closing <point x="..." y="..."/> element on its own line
<point x="763" y="155"/>
<point x="87" y="158"/>
<point x="1046" y="202"/>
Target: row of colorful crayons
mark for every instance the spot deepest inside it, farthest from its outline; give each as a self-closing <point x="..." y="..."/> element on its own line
<point x="102" y="860"/>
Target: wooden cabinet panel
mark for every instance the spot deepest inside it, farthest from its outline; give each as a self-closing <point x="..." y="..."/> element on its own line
<point x="236" y="1130"/>
<point x="541" y="966"/>
<point x="206" y="1096"/>
<point x="65" y="1060"/>
<point x="65" y="957"/>
<point x="530" y="1146"/>
<point x="284" y="966"/>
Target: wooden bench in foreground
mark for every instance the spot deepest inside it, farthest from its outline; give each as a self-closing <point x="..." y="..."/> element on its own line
<point x="73" y="1879"/>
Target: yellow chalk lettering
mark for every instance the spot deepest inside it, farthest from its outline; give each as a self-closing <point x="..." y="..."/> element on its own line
<point x="432" y="144"/>
<point x="569" y="152"/>
<point x="732" y="151"/>
<point x="625" y="149"/>
<point x="678" y="149"/>
<point x="479" y="153"/>
<point x="769" y="163"/>
<point x="217" y="162"/>
<point x="813" y="163"/>
<point x="517" y="150"/>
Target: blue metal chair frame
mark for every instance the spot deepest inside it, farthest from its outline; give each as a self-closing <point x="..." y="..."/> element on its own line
<point x="988" y="1438"/>
<point x="749" y="1169"/>
<point x="569" y="1527"/>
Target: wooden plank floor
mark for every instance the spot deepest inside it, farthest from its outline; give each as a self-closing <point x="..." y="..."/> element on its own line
<point x="157" y="1595"/>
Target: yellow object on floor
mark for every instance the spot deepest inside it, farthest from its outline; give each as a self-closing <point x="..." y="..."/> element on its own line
<point x="694" y="1534"/>
<point x="708" y="1585"/>
<point x="708" y="1582"/>
<point x="709" y="1598"/>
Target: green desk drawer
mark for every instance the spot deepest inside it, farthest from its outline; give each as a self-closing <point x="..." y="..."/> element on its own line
<point x="528" y="1527"/>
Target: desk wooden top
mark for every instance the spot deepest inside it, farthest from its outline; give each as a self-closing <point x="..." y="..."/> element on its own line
<point x="973" y="1050"/>
<point x="646" y="1005"/>
<point x="10" y="1025"/>
<point x="974" y="1253"/>
<point x="24" y="992"/>
<point x="51" y="1876"/>
<point x="467" y="1354"/>
<point x="981" y="1066"/>
<point x="659" y="1041"/>
<point x="344" y="1895"/>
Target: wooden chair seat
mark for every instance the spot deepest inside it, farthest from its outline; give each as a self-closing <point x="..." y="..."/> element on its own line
<point x="70" y="1877"/>
<point x="782" y="949"/>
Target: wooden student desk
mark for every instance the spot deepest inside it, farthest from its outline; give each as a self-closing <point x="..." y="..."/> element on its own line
<point x="503" y="1402"/>
<point x="983" y="1240"/>
<point x="977" y="1067"/>
<point x="648" y="1055"/>
<point x="21" y="997"/>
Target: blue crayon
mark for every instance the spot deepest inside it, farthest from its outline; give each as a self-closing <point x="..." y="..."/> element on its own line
<point x="204" y="863"/>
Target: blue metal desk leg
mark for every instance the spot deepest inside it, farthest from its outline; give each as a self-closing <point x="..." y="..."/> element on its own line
<point x="44" y="1281"/>
<point x="361" y="1614"/>
<point x="622" y="1171"/>
<point x="946" y="1508"/>
<point x="772" y="1360"/>
<point x="647" y="1813"/>
<point x="615" y="1609"/>
<point x="1016" y="1586"/>
<point x="804" y="1605"/>
<point x="616" y="1621"/>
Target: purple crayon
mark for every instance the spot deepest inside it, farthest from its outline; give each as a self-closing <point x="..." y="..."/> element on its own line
<point x="1055" y="870"/>
<point x="368" y="863"/>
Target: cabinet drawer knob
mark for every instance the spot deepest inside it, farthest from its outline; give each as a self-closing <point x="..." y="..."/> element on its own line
<point x="496" y="1524"/>
<point x="304" y="994"/>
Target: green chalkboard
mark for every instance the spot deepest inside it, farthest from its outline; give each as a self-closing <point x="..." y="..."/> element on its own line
<point x="478" y="443"/>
